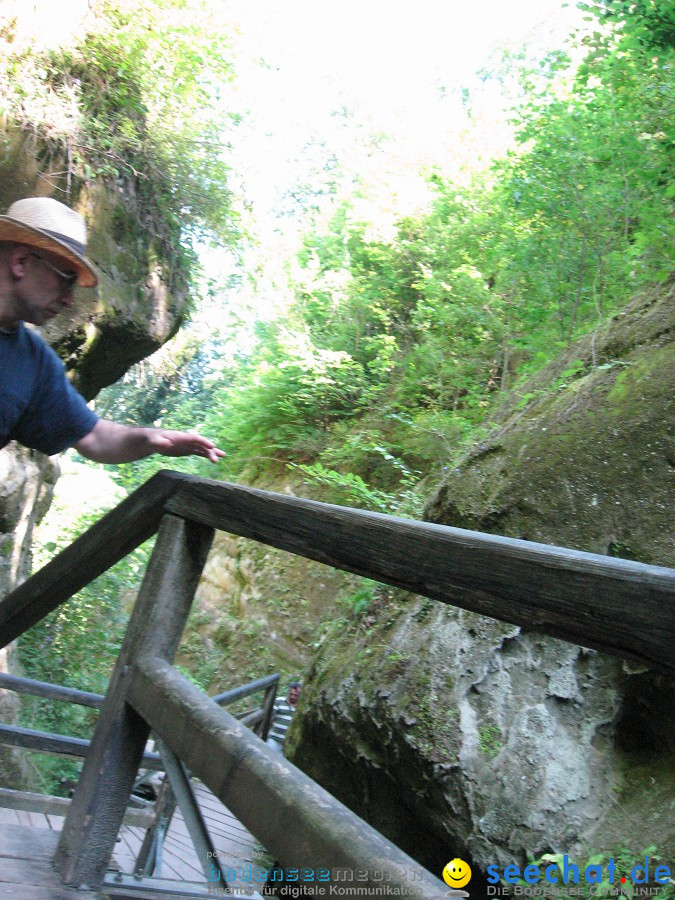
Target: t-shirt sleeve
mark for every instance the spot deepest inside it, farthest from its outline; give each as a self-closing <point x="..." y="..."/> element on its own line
<point x="57" y="416"/>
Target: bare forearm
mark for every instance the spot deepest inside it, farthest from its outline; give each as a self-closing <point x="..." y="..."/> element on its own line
<point x="109" y="442"/>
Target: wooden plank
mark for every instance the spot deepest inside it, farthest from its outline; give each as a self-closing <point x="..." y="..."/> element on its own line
<point x="235" y="845"/>
<point x="298" y="822"/>
<point x="22" y="842"/>
<point x="26" y="871"/>
<point x="105" y="543"/>
<point x="164" y="601"/>
<point x="52" y="891"/>
<point x="29" y="880"/>
<point x="614" y="605"/>
<point x="48" y="805"/>
<point x="164" y="889"/>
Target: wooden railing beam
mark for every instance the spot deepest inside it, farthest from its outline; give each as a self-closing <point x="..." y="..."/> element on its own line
<point x="49" y="691"/>
<point x="296" y="820"/>
<point x="59" y="744"/>
<point x="614" y="605"/>
<point x="245" y="690"/>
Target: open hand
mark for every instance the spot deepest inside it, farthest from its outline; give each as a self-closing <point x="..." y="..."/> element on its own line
<point x="181" y="443"/>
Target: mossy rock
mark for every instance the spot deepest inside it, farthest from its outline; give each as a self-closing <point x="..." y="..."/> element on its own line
<point x="587" y="465"/>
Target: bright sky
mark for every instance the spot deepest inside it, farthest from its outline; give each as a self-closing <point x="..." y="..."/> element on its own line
<point x="397" y="67"/>
<point x="394" y="64"/>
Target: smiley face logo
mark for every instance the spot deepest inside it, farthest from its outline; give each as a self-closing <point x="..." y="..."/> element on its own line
<point x="457" y="873"/>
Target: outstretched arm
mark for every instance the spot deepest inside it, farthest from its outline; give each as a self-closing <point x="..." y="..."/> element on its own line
<point x="109" y="442"/>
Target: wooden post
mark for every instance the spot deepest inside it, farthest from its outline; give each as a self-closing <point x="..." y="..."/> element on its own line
<point x="156" y="626"/>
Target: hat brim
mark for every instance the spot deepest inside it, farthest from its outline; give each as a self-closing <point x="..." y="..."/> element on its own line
<point x="11" y="230"/>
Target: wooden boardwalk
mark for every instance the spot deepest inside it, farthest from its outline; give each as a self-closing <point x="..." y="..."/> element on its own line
<point x="26" y="871"/>
<point x="28" y="841"/>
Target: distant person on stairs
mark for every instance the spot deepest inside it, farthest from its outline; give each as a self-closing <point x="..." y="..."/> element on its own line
<point x="284" y="708"/>
<point x="42" y="258"/>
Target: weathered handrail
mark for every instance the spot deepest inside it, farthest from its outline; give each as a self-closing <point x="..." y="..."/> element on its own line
<point x="76" y="748"/>
<point x="108" y="541"/>
<point x="245" y="690"/>
<point x="49" y="691"/>
<point x="614" y="605"/>
<point x="59" y="744"/>
<point x="296" y="820"/>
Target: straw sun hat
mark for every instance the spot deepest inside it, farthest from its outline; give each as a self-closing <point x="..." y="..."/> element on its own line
<point x="50" y="225"/>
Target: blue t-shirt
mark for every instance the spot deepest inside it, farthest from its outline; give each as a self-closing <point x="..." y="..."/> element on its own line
<point x="38" y="405"/>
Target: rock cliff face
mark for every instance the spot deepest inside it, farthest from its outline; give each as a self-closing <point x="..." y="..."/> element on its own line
<point x="135" y="309"/>
<point x="457" y="735"/>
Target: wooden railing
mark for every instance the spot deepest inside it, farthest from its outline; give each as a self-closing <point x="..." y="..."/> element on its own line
<point x="259" y="719"/>
<point x="172" y="790"/>
<point x="613" y="605"/>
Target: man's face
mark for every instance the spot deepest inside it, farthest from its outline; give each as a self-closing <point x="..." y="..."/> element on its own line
<point x="293" y="695"/>
<point x="47" y="286"/>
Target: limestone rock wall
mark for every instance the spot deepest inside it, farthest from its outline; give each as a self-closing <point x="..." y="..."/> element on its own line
<point x="457" y="735"/>
<point x="27" y="481"/>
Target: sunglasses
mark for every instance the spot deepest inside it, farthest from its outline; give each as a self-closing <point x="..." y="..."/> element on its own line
<point x="68" y="279"/>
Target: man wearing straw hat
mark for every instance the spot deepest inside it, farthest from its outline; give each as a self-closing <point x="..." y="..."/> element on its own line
<point x="42" y="258"/>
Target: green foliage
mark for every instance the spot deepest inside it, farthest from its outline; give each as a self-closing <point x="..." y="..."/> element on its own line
<point x="490" y="740"/>
<point x="361" y="600"/>
<point x="285" y="399"/>
<point x="347" y="489"/>
<point x="649" y="22"/>
<point x="393" y="354"/>
<point x="424" y="332"/>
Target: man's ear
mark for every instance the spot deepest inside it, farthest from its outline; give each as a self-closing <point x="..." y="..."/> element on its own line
<point x="18" y="260"/>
